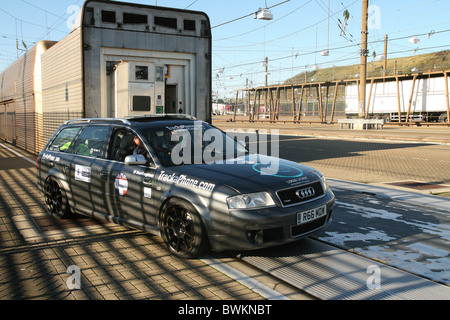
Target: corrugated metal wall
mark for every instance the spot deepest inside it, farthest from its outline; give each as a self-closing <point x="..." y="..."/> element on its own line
<point x="18" y="103"/>
<point x="29" y="116"/>
<point x="33" y="103"/>
<point x="62" y="75"/>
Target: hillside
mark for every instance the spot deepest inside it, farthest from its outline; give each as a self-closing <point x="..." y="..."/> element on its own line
<point x="436" y="61"/>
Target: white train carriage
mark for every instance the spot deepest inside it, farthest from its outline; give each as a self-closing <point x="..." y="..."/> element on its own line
<point x="424" y="102"/>
<point x="120" y="59"/>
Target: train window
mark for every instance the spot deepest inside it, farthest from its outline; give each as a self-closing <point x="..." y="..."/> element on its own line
<point x="141" y="104"/>
<point x="131" y="18"/>
<point x="189" y="25"/>
<point x="89" y="16"/>
<point x="166" y="22"/>
<point x="109" y="16"/>
<point x="205" y="31"/>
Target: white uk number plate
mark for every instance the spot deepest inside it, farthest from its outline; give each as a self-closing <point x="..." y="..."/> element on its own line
<point x="311" y="215"/>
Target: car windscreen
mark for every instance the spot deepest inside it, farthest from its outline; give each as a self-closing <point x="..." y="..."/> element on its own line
<point x="191" y="143"/>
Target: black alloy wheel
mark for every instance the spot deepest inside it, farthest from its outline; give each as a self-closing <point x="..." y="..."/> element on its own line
<point x="182" y="229"/>
<point x="55" y="200"/>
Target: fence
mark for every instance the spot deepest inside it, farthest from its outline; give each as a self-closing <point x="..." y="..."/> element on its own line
<point x="424" y="93"/>
<point x="31" y="131"/>
<point x="308" y="102"/>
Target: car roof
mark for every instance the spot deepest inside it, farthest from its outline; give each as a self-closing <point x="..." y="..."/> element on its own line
<point x="131" y="121"/>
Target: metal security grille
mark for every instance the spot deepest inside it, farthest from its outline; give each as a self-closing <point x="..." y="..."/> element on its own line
<point x="31" y="131"/>
<point x="52" y="121"/>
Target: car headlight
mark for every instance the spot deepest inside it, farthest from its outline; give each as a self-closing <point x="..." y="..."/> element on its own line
<point x="323" y="180"/>
<point x="325" y="184"/>
<point x="250" y="201"/>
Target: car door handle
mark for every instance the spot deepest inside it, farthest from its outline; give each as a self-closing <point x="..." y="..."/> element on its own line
<point x="65" y="167"/>
<point x="104" y="175"/>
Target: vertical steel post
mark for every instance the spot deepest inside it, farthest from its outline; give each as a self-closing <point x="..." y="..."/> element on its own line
<point x="326" y="103"/>
<point x="235" y="106"/>
<point x="334" y="101"/>
<point x="319" y="96"/>
<point x="385" y="55"/>
<point x="293" y="103"/>
<point x="411" y="99"/>
<point x="370" y="97"/>
<point x="446" y="94"/>
<point x="398" y="101"/>
<point x="364" y="53"/>
<point x="300" y="103"/>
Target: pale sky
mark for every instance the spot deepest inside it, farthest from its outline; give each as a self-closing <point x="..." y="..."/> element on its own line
<point x="292" y="41"/>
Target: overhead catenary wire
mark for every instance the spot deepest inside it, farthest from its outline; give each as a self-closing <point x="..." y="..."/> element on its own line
<point x="247" y="15"/>
<point x="248" y="69"/>
<point x="334" y="48"/>
<point x="268" y="24"/>
<point x="284" y="36"/>
<point x="338" y="60"/>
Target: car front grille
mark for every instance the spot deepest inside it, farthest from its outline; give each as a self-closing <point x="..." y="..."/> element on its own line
<point x="301" y="194"/>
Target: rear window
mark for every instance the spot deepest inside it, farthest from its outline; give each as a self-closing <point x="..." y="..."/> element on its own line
<point x="91" y="141"/>
<point x="64" y="139"/>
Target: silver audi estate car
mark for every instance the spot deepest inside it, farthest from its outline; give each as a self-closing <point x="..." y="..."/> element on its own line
<point x="182" y="179"/>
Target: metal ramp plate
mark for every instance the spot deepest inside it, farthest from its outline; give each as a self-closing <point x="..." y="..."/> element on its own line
<point x="330" y="273"/>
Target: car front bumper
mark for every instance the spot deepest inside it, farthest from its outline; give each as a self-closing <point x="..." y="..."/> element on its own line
<point x="256" y="229"/>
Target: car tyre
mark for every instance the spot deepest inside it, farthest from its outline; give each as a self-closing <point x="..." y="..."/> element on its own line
<point x="182" y="229"/>
<point x="56" y="200"/>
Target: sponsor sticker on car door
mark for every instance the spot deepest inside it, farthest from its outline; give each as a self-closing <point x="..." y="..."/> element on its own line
<point x="83" y="173"/>
<point x="121" y="184"/>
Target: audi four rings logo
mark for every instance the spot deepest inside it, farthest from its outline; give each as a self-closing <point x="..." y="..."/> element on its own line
<point x="306" y="193"/>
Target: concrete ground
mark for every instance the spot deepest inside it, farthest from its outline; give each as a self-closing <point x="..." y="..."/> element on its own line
<point x="115" y="262"/>
<point x="120" y="263"/>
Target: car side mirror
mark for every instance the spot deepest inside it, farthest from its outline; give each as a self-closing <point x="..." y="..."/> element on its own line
<point x="135" y="160"/>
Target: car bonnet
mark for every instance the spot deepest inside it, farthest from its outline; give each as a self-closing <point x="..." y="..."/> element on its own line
<point x="245" y="174"/>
